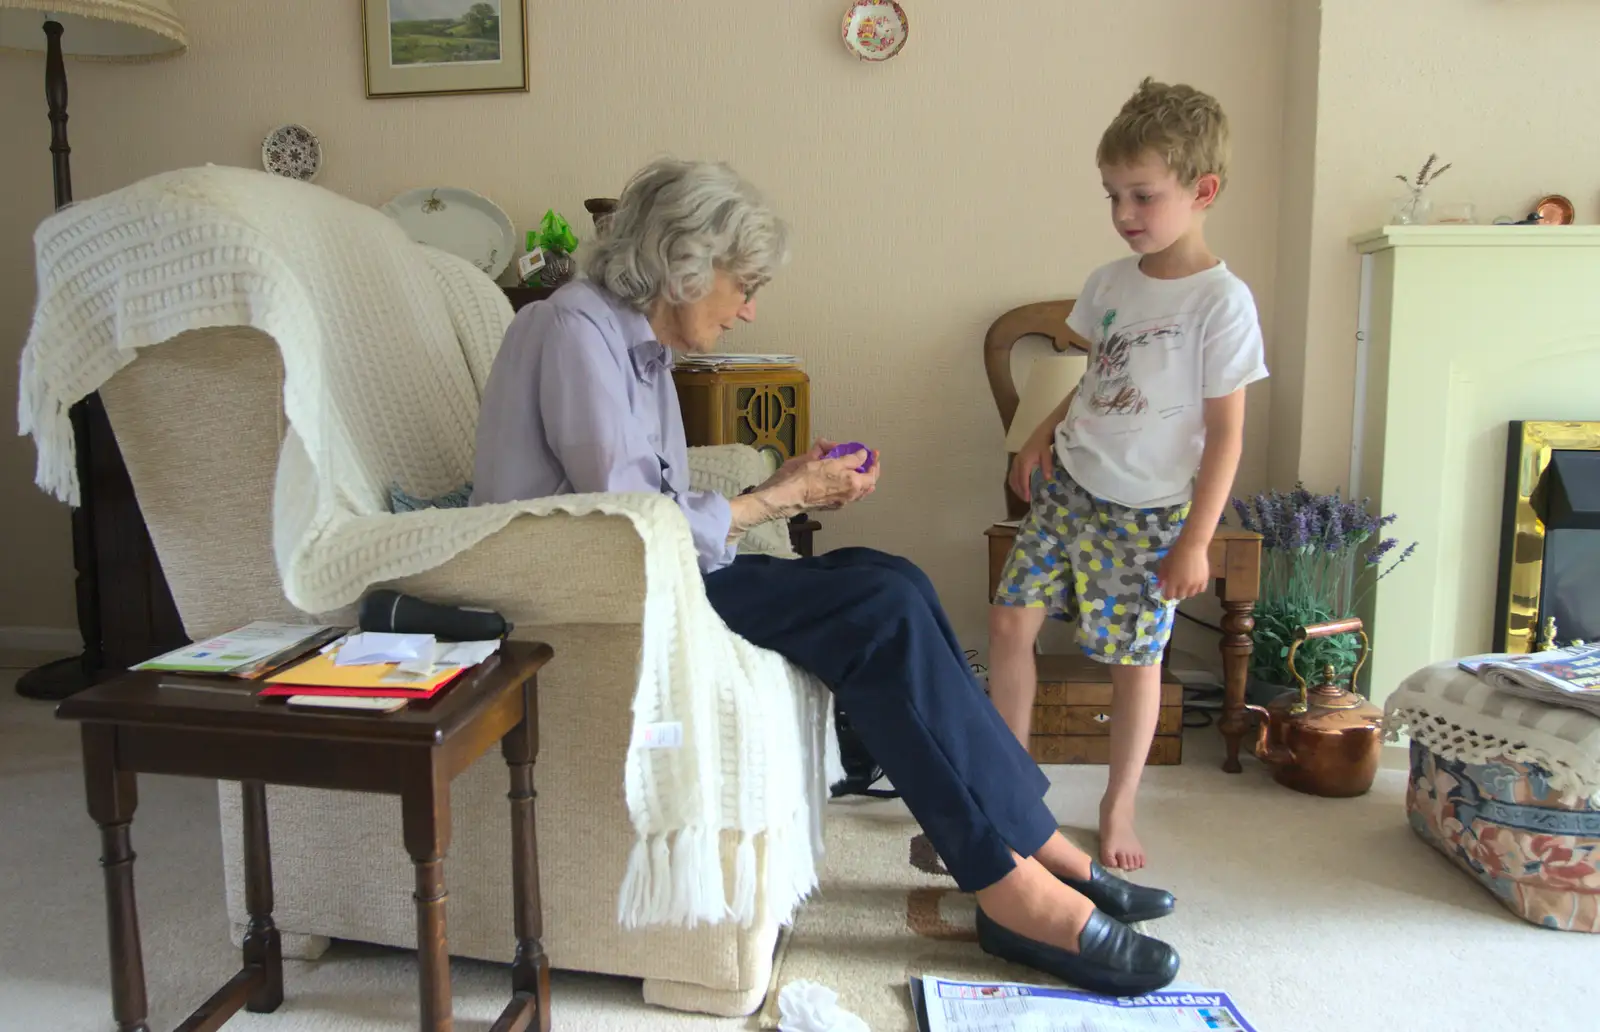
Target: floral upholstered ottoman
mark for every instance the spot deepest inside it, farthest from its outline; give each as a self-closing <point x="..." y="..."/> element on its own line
<point x="1508" y="789"/>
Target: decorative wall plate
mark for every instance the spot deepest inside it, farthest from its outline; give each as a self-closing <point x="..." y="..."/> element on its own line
<point x="875" y="31"/>
<point x="1554" y="210"/>
<point x="459" y="221"/>
<point x="293" y="151"/>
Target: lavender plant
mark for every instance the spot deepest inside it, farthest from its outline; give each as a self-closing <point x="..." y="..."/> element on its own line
<point x="1321" y="554"/>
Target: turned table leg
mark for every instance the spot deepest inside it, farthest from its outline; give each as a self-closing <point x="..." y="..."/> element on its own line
<point x="426" y="814"/>
<point x="1236" y="647"/>
<point x="530" y="972"/>
<point x="262" y="944"/>
<point x="113" y="795"/>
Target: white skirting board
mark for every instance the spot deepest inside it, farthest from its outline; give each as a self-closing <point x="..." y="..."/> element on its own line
<point x="62" y="640"/>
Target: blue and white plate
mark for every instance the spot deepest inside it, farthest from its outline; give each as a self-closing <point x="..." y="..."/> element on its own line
<point x="293" y="151"/>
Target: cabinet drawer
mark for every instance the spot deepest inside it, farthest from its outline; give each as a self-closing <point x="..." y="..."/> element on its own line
<point x="1165" y="750"/>
<point x="1087" y="693"/>
<point x="1095" y="720"/>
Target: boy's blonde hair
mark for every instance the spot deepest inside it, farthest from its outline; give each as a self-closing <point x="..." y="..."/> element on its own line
<point x="1181" y="125"/>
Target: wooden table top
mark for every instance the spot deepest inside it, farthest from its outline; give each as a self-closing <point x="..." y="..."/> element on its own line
<point x="165" y="699"/>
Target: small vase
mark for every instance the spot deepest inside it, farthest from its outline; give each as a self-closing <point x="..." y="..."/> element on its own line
<point x="559" y="267"/>
<point x="1411" y="210"/>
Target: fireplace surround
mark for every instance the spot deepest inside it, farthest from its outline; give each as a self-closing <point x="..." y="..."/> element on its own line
<point x="1463" y="330"/>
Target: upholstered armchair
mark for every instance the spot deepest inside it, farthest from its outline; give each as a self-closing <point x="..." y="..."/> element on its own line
<point x="199" y="420"/>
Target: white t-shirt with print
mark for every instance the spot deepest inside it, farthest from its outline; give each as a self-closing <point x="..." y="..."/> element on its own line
<point x="1135" y="432"/>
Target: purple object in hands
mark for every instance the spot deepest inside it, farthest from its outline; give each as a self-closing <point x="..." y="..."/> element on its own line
<point x="839" y="451"/>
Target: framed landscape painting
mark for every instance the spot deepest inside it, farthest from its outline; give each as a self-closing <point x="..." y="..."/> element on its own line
<point x="429" y="47"/>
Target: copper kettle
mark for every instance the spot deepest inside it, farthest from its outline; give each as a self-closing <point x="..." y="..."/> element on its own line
<point x="1324" y="739"/>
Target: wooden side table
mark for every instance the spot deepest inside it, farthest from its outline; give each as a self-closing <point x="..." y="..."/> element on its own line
<point x="159" y="723"/>
<point x="1235" y="557"/>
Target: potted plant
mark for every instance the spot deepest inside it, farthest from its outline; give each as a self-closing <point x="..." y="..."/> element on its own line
<point x="1320" y="555"/>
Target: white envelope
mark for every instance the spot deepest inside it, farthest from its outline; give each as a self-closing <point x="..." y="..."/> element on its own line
<point x="467" y="653"/>
<point x="372" y="647"/>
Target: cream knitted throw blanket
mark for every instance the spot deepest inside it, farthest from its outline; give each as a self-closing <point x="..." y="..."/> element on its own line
<point x="385" y="345"/>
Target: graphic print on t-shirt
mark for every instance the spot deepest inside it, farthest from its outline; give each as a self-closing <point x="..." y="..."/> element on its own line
<point x="1115" y="392"/>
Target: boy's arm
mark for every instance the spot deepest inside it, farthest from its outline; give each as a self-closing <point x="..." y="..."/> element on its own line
<point x="1185" y="572"/>
<point x="1219" y="463"/>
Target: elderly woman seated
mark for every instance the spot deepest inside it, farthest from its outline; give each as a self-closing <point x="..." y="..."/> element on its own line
<point x="581" y="399"/>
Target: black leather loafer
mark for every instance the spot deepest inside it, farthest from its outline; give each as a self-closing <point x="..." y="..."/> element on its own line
<point x="1112" y="959"/>
<point x="1120" y="899"/>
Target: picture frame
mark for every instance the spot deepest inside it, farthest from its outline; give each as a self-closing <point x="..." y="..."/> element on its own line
<point x="433" y="48"/>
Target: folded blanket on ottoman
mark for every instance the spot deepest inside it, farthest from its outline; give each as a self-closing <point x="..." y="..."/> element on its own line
<point x="1509" y="789"/>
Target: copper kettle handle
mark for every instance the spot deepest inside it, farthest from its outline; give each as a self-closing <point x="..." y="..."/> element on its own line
<point x="1327" y="630"/>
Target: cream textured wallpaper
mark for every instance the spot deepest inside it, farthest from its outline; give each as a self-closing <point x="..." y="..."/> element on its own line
<point x="928" y="194"/>
<point x="1504" y="89"/>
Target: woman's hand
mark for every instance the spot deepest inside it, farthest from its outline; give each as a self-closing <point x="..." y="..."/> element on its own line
<point x="834" y="483"/>
<point x="795" y="465"/>
<point x="806" y="482"/>
<point x="1038" y="453"/>
<point x="818" y="483"/>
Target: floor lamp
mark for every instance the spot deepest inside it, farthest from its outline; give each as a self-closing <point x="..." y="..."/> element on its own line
<point x="105" y="30"/>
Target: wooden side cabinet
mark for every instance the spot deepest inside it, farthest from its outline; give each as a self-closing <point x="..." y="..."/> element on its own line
<point x="768" y="409"/>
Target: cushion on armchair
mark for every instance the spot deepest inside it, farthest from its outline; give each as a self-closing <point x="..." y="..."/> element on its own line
<point x="730" y="469"/>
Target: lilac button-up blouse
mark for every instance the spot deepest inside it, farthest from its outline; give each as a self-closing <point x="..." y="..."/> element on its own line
<point x="580" y="400"/>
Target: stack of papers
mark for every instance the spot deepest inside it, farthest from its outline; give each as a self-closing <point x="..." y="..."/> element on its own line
<point x="250" y="651"/>
<point x="1567" y="676"/>
<point x="728" y="361"/>
<point x="382" y="665"/>
<point x="412" y="653"/>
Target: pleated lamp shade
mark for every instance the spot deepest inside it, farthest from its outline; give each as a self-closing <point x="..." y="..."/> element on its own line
<point x="107" y="30"/>
<point x="1050" y="378"/>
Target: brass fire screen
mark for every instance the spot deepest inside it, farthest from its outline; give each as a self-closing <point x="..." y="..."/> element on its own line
<point x="1529" y="447"/>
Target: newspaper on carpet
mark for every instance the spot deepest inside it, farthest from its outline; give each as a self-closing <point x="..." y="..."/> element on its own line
<point x="944" y="1005"/>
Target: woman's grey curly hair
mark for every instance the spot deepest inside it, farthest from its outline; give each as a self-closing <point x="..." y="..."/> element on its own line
<point x="676" y="224"/>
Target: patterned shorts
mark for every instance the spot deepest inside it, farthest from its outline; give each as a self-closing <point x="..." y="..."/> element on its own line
<point x="1094" y="563"/>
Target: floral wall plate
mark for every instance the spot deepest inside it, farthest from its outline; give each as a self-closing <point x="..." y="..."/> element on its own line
<point x="459" y="221"/>
<point x="875" y="31"/>
<point x="293" y="151"/>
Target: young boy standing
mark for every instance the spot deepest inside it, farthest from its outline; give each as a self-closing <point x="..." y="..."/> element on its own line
<point x="1129" y="476"/>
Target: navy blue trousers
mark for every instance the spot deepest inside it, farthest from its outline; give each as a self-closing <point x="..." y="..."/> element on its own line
<point x="870" y="626"/>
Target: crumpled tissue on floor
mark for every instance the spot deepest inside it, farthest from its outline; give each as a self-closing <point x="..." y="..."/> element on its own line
<point x="809" y="1007"/>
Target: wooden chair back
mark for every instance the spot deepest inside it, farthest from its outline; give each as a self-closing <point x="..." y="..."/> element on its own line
<point x="1041" y="318"/>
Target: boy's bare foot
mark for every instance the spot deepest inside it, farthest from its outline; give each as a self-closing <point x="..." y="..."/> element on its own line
<point x="1119" y="846"/>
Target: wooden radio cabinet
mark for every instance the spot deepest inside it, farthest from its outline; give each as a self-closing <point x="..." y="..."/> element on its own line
<point x="768" y="409"/>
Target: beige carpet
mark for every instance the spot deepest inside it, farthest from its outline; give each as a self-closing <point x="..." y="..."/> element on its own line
<point x="1319" y="915"/>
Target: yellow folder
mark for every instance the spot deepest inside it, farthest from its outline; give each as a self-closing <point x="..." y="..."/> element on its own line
<point x="321" y="671"/>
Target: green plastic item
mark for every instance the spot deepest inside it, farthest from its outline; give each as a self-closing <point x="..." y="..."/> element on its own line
<point x="553" y="234"/>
